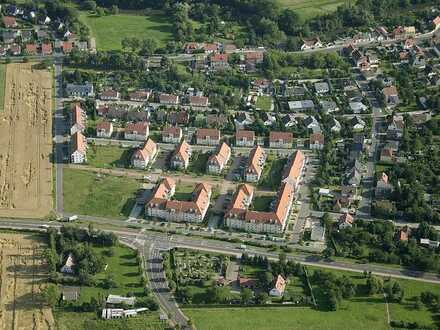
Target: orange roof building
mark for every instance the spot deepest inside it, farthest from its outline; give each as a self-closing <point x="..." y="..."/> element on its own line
<point x="144" y="156"/>
<point x="256" y="161"/>
<point x="217" y="161"/>
<point x="181" y="156"/>
<point x="78" y="148"/>
<point x="162" y="206"/>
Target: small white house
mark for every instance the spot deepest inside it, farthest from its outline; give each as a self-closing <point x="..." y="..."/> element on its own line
<point x="69" y="265"/>
<point x="279" y="287"/>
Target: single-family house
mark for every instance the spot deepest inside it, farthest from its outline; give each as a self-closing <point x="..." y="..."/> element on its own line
<point x="312" y="124"/>
<point x="140" y="95"/>
<point x="322" y="87"/>
<point x="301" y="106"/>
<point x="110" y="95"/>
<point x="46" y="48"/>
<point x="198" y="102"/>
<point x="288" y="120"/>
<point x="345" y="221"/>
<point x="391" y="96"/>
<point x="69" y="265"/>
<point x="219" y="62"/>
<point x="9" y="22"/>
<point x="252" y="59"/>
<point x="383" y="187"/>
<point x="169" y="100"/>
<point x="311" y="43"/>
<point x="357" y="123"/>
<point x="316" y="141"/>
<point x="80" y="90"/>
<point x="104" y="129"/>
<point x="279" y="286"/>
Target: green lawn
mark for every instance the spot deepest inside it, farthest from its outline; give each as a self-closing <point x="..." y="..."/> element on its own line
<point x="183" y="192"/>
<point x="310" y="8"/>
<point x="108" y="156"/>
<point x="110" y="30"/>
<point x="271" y="177"/>
<point x="106" y="196"/>
<point x="87" y="321"/>
<point x="2" y="85"/>
<point x="198" y="162"/>
<point x="264" y="103"/>
<point x="262" y="203"/>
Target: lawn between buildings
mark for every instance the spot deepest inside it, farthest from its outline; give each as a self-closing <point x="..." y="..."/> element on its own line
<point x="109" y="156"/>
<point x="110" y="30"/>
<point x="88" y="193"/>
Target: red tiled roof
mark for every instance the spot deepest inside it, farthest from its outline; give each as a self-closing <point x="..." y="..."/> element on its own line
<point x="104" y="126"/>
<point x="221" y="157"/>
<point x="31" y="48"/>
<point x="203" y="133"/>
<point x="183" y="151"/>
<point x="9" y="21"/>
<point x="240" y="134"/>
<point x="139" y="127"/>
<point x="317" y="137"/>
<point x="79" y="142"/>
<point x="286" y="137"/>
<point x="46" y="48"/>
<point x="173" y="131"/>
<point x="198" y="101"/>
<point x="219" y="58"/>
<point x="254" y="160"/>
<point x="147" y="151"/>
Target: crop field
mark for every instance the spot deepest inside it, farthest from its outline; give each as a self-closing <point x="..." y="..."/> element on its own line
<point x="26" y="143"/>
<point x="21" y="277"/>
<point x="110" y="30"/>
<point x="310" y="8"/>
<point x="2" y="85"/>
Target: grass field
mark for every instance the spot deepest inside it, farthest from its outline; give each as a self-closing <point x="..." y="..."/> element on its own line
<point x="264" y="103"/>
<point x="108" y="156"/>
<point x="310" y="8"/>
<point x="262" y="203"/>
<point x="110" y="30"/>
<point x="271" y="178"/>
<point x="86" y="193"/>
<point x="2" y="85"/>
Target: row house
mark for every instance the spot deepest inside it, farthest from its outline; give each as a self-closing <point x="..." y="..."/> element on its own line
<point x="104" y="129"/>
<point x="198" y="103"/>
<point x="208" y="136"/>
<point x="282" y="140"/>
<point x="218" y="161"/>
<point x="255" y="165"/>
<point x="169" y="100"/>
<point x="137" y="131"/>
<point x="181" y="156"/>
<point x="144" y="156"/>
<point x="161" y="206"/>
<point x="110" y="95"/>
<point x="141" y="95"/>
<point x="78" y="154"/>
<point x="80" y="90"/>
<point x="244" y="138"/>
<point x="272" y="222"/>
<point x="172" y="134"/>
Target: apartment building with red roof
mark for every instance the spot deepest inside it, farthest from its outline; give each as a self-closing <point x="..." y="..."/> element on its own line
<point x="169" y="100"/>
<point x="294" y="169"/>
<point x="78" y="154"/>
<point x="137" y="131"/>
<point x="141" y="95"/>
<point x="282" y="140"/>
<point x="255" y="165"/>
<point x="218" y="160"/>
<point x="144" y="156"/>
<point x="161" y="205"/>
<point x="172" y="134"/>
<point x="77" y="119"/>
<point x="110" y="95"/>
<point x="181" y="156"/>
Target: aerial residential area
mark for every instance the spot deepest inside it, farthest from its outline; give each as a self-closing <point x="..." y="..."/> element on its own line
<point x="211" y="165"/>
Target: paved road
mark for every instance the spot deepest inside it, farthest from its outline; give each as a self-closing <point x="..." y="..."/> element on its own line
<point x="59" y="131"/>
<point x="165" y="241"/>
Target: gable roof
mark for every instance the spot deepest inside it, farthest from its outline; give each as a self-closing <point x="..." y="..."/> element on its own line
<point x="286" y="137"/>
<point x="254" y="160"/>
<point x="183" y="151"/>
<point x="147" y="151"/>
<point x="79" y="143"/>
<point x="173" y="131"/>
<point x="221" y="157"/>
<point x="203" y="133"/>
<point x="140" y="128"/>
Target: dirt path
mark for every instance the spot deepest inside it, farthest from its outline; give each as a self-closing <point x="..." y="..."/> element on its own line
<point x="26" y="143"/>
<point x="22" y="276"/>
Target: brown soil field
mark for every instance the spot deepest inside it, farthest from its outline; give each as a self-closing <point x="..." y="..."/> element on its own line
<point x="26" y="143"/>
<point x="22" y="277"/>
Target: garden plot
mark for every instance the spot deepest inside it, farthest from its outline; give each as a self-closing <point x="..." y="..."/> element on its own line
<point x="194" y="267"/>
<point x="26" y="143"/>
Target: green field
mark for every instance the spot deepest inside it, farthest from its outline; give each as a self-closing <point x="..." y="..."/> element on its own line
<point x="310" y="8"/>
<point x="264" y="103"/>
<point x="87" y="194"/>
<point x="2" y="85"/>
<point x="108" y="156"/>
<point x="262" y="203"/>
<point x="110" y="30"/>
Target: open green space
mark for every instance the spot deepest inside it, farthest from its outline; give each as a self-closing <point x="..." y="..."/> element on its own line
<point x="110" y="30"/>
<point x="2" y="85"/>
<point x="271" y="178"/>
<point x="310" y="8"/>
<point x="99" y="195"/>
<point x="262" y="203"/>
<point x="198" y="162"/>
<point x="183" y="191"/>
<point x="264" y="103"/>
<point x="108" y="156"/>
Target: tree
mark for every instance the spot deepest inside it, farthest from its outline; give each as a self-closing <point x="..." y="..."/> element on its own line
<point x="246" y="296"/>
<point x="374" y="285"/>
<point x="148" y="46"/>
<point x="219" y="294"/>
<point x="109" y="282"/>
<point x="261" y="298"/>
<point x="114" y="10"/>
<point x="50" y="294"/>
<point x="100" y="11"/>
<point x="89" y="5"/>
